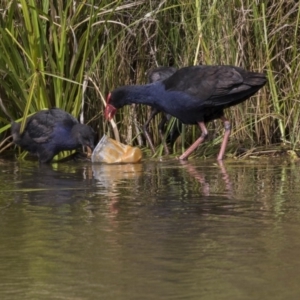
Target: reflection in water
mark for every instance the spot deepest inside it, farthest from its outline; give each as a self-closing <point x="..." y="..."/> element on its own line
<point x="50" y="185"/>
<point x="201" y="176"/>
<point x="170" y="230"/>
<point x="111" y="175"/>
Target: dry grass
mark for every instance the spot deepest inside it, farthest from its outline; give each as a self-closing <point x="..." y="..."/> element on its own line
<point x="114" y="44"/>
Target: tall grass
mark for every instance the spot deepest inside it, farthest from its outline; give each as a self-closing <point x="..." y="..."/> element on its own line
<point x="49" y="51"/>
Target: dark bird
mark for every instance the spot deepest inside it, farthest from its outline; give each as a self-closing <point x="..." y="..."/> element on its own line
<point x="154" y="75"/>
<point x="50" y="131"/>
<point x="194" y="95"/>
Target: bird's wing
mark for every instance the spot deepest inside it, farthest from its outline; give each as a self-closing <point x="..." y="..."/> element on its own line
<point x="62" y="117"/>
<point x="209" y="84"/>
<point x="160" y="73"/>
<point x="40" y="132"/>
<point x="42" y="126"/>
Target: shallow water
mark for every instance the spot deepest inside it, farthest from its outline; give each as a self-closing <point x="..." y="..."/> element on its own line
<point x="155" y="230"/>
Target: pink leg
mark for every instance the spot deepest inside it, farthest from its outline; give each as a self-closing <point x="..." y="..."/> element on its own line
<point x="225" y="138"/>
<point x="196" y="144"/>
<point x="225" y="176"/>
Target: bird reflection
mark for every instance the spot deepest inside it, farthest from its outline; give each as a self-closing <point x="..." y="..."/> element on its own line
<point x="225" y="176"/>
<point x="200" y="177"/>
<point x="111" y="189"/>
<point x="52" y="184"/>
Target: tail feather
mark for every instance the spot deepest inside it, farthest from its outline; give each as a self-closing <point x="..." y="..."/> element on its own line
<point x="255" y="79"/>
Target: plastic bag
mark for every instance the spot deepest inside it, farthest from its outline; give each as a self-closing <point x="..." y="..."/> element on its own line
<point x="110" y="151"/>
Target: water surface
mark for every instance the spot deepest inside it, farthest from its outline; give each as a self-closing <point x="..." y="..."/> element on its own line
<point x="155" y="230"/>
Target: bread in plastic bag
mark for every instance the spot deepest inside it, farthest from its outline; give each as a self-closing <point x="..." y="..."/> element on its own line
<point x="110" y="151"/>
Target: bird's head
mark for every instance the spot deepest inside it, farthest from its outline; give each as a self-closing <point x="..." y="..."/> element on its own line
<point x="85" y="135"/>
<point x="117" y="99"/>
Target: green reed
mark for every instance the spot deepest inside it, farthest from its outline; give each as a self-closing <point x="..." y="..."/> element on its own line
<point x="49" y="51"/>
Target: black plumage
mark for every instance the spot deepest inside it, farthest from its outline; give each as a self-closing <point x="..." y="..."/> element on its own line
<point x="51" y="131"/>
<point x="194" y="95"/>
<point x="154" y="75"/>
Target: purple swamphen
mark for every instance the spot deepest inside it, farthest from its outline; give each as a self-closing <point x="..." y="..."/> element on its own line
<point x="194" y="95"/>
<point x="50" y="131"/>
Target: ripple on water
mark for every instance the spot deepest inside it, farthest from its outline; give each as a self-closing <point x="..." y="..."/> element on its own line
<point x="197" y="230"/>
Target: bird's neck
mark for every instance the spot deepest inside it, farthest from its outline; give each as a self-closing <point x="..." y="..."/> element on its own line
<point x="144" y="94"/>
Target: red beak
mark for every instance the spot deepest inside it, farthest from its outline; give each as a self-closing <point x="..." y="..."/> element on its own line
<point x="110" y="110"/>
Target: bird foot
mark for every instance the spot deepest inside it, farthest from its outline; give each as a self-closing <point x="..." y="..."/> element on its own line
<point x="182" y="157"/>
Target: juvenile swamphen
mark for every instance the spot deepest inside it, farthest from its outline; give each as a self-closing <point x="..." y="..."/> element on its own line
<point x="50" y="131"/>
<point x="194" y="95"/>
<point x="154" y="75"/>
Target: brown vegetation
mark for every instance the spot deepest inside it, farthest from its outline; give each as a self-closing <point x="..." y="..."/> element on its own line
<point x="54" y="54"/>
